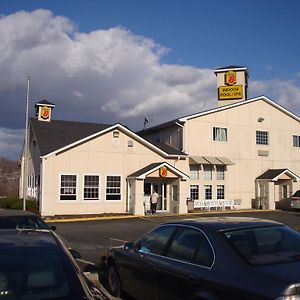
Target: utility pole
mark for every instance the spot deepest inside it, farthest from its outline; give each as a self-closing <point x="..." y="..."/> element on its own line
<point x="25" y="155"/>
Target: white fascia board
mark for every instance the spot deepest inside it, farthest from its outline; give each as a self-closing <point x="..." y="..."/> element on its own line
<point x="230" y="69"/>
<point x="176" y="171"/>
<point x="242" y="102"/>
<point x="289" y="173"/>
<point x="113" y="127"/>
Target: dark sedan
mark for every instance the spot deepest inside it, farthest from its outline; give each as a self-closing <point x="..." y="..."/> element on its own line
<point x="209" y="259"/>
<point x="35" y="265"/>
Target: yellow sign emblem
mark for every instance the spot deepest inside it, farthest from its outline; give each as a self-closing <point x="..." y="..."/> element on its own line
<point x="230" y="92"/>
<point x="163" y="172"/>
<point x="230" y="78"/>
<point x="45" y="112"/>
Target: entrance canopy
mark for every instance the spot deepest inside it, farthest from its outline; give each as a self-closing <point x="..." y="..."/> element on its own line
<point x="277" y="174"/>
<point x="162" y="168"/>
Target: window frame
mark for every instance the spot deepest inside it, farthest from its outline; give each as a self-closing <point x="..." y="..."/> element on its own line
<point x="218" y="189"/>
<point x="220" y="174"/>
<point x="195" y="171"/>
<point x="296" y="141"/>
<point x="215" y="134"/>
<point x="91" y="187"/>
<point x="262" y="140"/>
<point x="198" y="191"/>
<point x="207" y="172"/>
<point x="60" y="187"/>
<point x="106" y="187"/>
<point x="179" y="229"/>
<point x="204" y="191"/>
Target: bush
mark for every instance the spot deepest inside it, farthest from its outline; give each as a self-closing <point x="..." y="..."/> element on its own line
<point x="16" y="203"/>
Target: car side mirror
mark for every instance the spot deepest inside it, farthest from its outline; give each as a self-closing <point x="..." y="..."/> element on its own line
<point x="128" y="246"/>
<point x="75" y="254"/>
<point x="53" y="228"/>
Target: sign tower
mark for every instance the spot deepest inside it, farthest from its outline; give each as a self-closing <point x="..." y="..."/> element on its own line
<point x="232" y="84"/>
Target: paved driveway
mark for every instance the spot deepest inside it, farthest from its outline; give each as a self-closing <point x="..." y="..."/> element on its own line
<point x="93" y="238"/>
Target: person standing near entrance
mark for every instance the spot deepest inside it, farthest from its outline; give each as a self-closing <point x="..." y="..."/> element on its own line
<point x="154" y="199"/>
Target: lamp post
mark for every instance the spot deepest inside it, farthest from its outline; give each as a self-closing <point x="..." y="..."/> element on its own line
<point x="25" y="157"/>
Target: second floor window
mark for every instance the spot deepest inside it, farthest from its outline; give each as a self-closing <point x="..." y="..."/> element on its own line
<point x="194" y="172"/>
<point x="220" y="172"/>
<point x="207" y="172"/>
<point x="262" y="137"/>
<point x="220" y="134"/>
<point x="296" y="141"/>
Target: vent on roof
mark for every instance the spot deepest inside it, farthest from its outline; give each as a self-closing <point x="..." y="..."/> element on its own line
<point x="130" y="143"/>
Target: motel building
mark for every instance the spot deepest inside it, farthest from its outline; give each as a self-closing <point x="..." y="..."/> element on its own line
<point x="242" y="154"/>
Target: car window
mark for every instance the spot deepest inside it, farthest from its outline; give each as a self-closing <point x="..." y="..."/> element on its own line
<point x="267" y="245"/>
<point x="297" y="194"/>
<point x="190" y="245"/>
<point x="22" y="222"/>
<point x="27" y="273"/>
<point x="156" y="241"/>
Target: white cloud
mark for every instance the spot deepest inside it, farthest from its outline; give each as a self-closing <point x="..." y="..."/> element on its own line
<point x="104" y="76"/>
<point x="10" y="142"/>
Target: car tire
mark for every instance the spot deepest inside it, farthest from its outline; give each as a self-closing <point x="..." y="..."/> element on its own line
<point x="113" y="280"/>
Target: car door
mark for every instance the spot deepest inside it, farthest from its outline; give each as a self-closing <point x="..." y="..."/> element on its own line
<point x="139" y="270"/>
<point x="182" y="270"/>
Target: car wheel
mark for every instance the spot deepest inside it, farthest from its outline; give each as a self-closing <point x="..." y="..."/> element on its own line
<point x="113" y="280"/>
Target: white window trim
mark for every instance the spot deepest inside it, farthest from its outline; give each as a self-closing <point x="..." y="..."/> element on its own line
<point x="217" y="191"/>
<point x="212" y="134"/>
<point x="99" y="189"/>
<point x="77" y="188"/>
<point x="121" y="187"/>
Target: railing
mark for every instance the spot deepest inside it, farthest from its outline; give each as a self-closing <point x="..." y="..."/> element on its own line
<point x="221" y="204"/>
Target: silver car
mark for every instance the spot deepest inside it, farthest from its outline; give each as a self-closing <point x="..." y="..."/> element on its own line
<point x="295" y="203"/>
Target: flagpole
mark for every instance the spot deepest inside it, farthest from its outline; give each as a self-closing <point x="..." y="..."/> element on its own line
<point x="25" y="175"/>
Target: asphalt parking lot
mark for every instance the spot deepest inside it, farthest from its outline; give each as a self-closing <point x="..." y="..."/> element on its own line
<point x="93" y="238"/>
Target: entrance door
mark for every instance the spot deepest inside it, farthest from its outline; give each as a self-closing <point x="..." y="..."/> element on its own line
<point x="161" y="189"/>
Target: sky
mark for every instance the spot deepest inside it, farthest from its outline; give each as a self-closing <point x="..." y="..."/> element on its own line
<point x="114" y="61"/>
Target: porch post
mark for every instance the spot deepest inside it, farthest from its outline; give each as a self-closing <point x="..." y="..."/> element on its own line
<point x="139" y="198"/>
<point x="183" y="195"/>
<point x="271" y="196"/>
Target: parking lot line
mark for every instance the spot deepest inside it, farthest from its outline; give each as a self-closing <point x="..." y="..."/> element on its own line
<point x="122" y="241"/>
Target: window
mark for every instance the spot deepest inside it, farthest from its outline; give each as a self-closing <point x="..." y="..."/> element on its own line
<point x="194" y="172"/>
<point x="207" y="172"/>
<point x="113" y="188"/>
<point x="296" y="141"/>
<point x="220" y="134"/>
<point x="262" y="137"/>
<point x="156" y="241"/>
<point x="207" y="192"/>
<point x="220" y="172"/>
<point x="190" y="245"/>
<point x="68" y="185"/>
<point x="220" y="192"/>
<point x="194" y="192"/>
<point x="91" y="187"/>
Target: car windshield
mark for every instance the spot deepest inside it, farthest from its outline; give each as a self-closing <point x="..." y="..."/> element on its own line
<point x="22" y="222"/>
<point x="31" y="273"/>
<point x="268" y="245"/>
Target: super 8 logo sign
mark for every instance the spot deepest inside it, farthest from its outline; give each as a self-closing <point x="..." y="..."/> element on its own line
<point x="163" y="172"/>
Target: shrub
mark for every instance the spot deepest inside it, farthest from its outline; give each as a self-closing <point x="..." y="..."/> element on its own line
<point x="16" y="203"/>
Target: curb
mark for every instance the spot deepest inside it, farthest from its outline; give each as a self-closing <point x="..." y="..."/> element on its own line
<point x="116" y="217"/>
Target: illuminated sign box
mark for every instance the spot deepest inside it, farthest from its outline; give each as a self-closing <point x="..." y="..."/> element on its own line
<point x="230" y="92"/>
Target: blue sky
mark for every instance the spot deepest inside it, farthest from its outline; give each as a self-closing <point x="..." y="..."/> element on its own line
<point x="114" y="61"/>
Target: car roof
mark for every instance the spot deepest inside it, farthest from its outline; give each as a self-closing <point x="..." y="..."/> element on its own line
<point x="226" y="223"/>
<point x="15" y="213"/>
<point x="27" y="238"/>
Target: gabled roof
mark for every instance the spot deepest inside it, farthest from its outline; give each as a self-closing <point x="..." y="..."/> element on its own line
<point x="275" y="174"/>
<point x="142" y="173"/>
<point x="182" y="120"/>
<point x="57" y="136"/>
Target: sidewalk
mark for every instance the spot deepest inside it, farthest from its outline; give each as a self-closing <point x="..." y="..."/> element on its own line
<point x="107" y="216"/>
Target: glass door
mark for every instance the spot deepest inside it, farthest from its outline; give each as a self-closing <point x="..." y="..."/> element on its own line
<point x="161" y="189"/>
